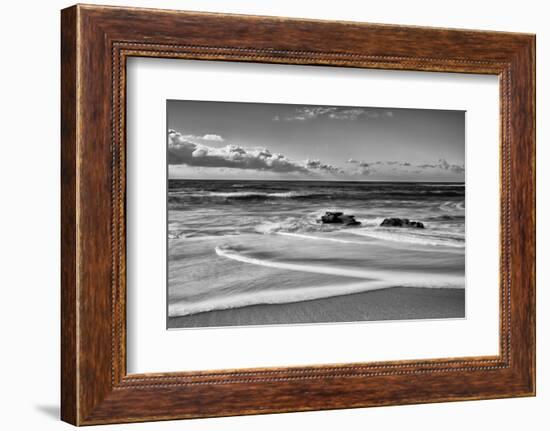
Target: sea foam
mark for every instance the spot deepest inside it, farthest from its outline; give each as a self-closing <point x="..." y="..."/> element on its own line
<point x="400" y="278"/>
<point x="369" y="280"/>
<point x="420" y="239"/>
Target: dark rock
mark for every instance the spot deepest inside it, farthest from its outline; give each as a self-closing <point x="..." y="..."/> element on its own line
<point x="339" y="217"/>
<point x="332" y="217"/>
<point x="401" y="222"/>
<point x="349" y="220"/>
<point x="393" y="222"/>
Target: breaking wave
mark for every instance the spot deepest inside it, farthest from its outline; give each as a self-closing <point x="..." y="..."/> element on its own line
<point x="431" y="239"/>
<point x="401" y="278"/>
<point x="180" y="196"/>
<point x="368" y="280"/>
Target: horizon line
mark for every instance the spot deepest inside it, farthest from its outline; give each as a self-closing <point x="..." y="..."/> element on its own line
<point x="327" y="181"/>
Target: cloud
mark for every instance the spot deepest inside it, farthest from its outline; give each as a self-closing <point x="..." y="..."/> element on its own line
<point x="347" y="114"/>
<point x="181" y="151"/>
<point x="378" y="163"/>
<point x="318" y="165"/>
<point x="360" y="168"/>
<point x="367" y="168"/>
<point x="211" y="137"/>
<point x="208" y="137"/>
<point x="457" y="169"/>
<point x="309" y="113"/>
<point x="444" y="165"/>
<point x="333" y="113"/>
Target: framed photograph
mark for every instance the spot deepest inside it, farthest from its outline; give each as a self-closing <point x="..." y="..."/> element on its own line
<point x="300" y="226"/>
<point x="265" y="215"/>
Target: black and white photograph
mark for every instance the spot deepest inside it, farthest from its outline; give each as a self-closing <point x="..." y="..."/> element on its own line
<point x="281" y="214"/>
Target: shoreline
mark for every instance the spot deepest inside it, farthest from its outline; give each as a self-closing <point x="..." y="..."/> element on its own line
<point x="391" y="304"/>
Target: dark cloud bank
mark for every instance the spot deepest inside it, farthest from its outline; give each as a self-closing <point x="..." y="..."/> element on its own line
<point x="193" y="151"/>
<point x="182" y="151"/>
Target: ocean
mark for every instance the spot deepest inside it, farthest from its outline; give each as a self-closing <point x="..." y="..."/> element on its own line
<point x="238" y="244"/>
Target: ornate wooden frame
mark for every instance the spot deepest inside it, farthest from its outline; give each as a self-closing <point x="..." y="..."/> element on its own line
<point x="95" y="43"/>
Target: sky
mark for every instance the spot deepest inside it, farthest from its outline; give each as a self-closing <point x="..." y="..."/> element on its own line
<point x="255" y="141"/>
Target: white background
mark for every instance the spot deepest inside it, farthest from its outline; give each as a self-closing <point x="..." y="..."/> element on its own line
<point x="153" y="349"/>
<point x="29" y="225"/>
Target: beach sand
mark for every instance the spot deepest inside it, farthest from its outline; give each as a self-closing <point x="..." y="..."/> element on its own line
<point x="396" y="303"/>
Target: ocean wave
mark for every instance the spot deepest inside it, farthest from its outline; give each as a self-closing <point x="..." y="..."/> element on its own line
<point x="448" y="217"/>
<point x="321" y="238"/>
<point x="431" y="239"/>
<point x="201" y="236"/>
<point x="370" y="280"/>
<point x="452" y="206"/>
<point x="393" y="240"/>
<point x="305" y="226"/>
<point x="311" y="223"/>
<point x="272" y="296"/>
<point x="401" y="278"/>
<point x="311" y="195"/>
<point x="249" y="195"/>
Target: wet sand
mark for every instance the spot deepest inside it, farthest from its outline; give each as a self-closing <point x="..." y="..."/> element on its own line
<point x="396" y="303"/>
